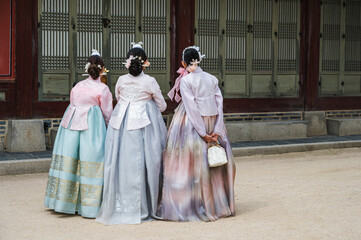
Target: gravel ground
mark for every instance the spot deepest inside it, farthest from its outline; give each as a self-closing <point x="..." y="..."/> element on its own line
<point x="310" y="195"/>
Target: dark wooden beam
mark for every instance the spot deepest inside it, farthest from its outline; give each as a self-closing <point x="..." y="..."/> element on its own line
<point x="239" y="105"/>
<point x="35" y="55"/>
<point x="312" y="51"/>
<point x="303" y="50"/>
<point x="173" y="42"/>
<point x="338" y="103"/>
<point x="25" y="48"/>
<point x="49" y="109"/>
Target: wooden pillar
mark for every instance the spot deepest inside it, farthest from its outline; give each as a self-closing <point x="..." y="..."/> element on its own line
<point x="312" y="52"/>
<point x="181" y="36"/>
<point x="26" y="56"/>
<point x="182" y="32"/>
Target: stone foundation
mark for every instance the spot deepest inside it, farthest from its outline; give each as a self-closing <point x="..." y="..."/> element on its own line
<point x="25" y="136"/>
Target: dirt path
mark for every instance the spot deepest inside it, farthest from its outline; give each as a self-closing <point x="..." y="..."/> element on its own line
<point x="312" y="195"/>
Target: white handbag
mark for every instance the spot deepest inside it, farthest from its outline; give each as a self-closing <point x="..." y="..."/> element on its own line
<point x="216" y="155"/>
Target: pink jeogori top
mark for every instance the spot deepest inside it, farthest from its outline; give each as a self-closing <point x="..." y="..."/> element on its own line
<point x="135" y="92"/>
<point x="83" y="96"/>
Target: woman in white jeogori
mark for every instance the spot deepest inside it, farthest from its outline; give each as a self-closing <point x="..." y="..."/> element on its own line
<point x="134" y="145"/>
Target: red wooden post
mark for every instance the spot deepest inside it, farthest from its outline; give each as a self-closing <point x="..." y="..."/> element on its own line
<point x="26" y="46"/>
<point x="182" y="35"/>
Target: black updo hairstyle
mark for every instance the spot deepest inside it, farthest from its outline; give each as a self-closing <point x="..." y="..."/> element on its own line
<point x="136" y="67"/>
<point x="94" y="70"/>
<point x="189" y="55"/>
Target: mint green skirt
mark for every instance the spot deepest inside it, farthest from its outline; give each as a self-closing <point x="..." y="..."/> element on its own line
<point x="76" y="174"/>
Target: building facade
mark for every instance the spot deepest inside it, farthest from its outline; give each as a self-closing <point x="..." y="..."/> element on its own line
<point x="269" y="55"/>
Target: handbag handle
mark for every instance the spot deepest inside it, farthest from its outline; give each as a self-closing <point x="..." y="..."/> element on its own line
<point x="211" y="144"/>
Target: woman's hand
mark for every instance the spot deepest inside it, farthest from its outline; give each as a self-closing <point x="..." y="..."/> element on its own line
<point x="214" y="137"/>
<point x="211" y="138"/>
<point x="207" y="138"/>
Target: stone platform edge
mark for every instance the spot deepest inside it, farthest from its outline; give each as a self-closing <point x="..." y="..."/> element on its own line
<point x="13" y="167"/>
<point x="288" y="148"/>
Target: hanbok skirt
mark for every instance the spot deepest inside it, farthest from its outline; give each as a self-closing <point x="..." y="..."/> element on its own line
<point x="75" y="180"/>
<point x="132" y="170"/>
<point x="193" y="191"/>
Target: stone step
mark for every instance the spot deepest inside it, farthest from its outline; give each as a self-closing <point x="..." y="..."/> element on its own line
<point x="259" y="131"/>
<point x="344" y="127"/>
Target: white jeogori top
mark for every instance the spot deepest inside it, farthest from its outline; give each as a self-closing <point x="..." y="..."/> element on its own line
<point x="201" y="96"/>
<point x="135" y="92"/>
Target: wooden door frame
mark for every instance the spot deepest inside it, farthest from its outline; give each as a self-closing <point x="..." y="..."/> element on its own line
<point x="7" y="83"/>
<point x="313" y="101"/>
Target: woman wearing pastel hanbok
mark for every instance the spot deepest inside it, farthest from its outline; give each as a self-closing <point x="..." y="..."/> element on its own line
<point x="193" y="191"/>
<point x="134" y="145"/>
<point x="75" y="181"/>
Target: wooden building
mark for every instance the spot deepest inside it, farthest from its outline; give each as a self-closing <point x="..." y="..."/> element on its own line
<point x="269" y="55"/>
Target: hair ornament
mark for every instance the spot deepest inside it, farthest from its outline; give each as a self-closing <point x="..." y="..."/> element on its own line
<point x="137" y="45"/>
<point x="131" y="57"/>
<point x="195" y="61"/>
<point x="105" y="72"/>
<point x="87" y="65"/>
<point x="146" y="64"/>
<point x="201" y="56"/>
<point x="95" y="53"/>
<point x="128" y="61"/>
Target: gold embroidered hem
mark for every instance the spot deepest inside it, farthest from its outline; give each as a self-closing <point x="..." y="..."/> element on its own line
<point x="68" y="191"/>
<point x="77" y="167"/>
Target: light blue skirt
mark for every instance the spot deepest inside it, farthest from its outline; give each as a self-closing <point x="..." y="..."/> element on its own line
<point x="76" y="172"/>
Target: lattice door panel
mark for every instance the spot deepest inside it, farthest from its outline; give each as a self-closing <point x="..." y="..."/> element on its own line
<point x="55" y="34"/>
<point x="208" y="32"/>
<point x="89" y="29"/>
<point x="351" y="84"/>
<point x="287" y="42"/>
<point x="262" y="35"/>
<point x="340" y="49"/>
<point x="287" y="36"/>
<point x="236" y="48"/>
<point x="154" y="32"/>
<point x="353" y="36"/>
<point x="262" y="49"/>
<point x="236" y="35"/>
<point x="331" y="35"/>
<point x="330" y="48"/>
<point x="122" y="31"/>
<point x="54" y="59"/>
